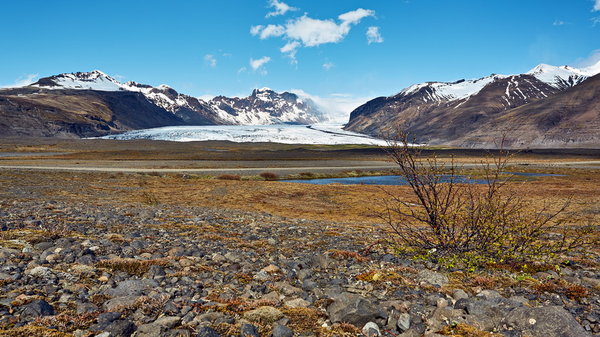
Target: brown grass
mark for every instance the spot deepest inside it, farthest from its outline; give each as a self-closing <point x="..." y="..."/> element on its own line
<point x="268" y="176"/>
<point x="229" y="177"/>
<point x="345" y="255"/>
<point x="33" y="331"/>
<point x="465" y="330"/>
<point x="572" y="291"/>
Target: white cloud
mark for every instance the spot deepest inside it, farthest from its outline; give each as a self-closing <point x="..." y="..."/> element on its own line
<point x="591" y="63"/>
<point x="280" y="8"/>
<point x="210" y="60"/>
<point x="242" y="70"/>
<point x="558" y="23"/>
<point x="328" y="65"/>
<point x="308" y="32"/>
<point x="373" y="35"/>
<point x="22" y="81"/>
<point x="269" y="31"/>
<point x="290" y="50"/>
<point x="595" y="21"/>
<point x="255" y="30"/>
<point x="313" y="32"/>
<point x="206" y="97"/>
<point x="597" y="6"/>
<point x="258" y="64"/>
<point x="354" y="17"/>
<point x="337" y="106"/>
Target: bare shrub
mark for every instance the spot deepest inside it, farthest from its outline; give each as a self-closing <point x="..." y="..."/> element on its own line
<point x="268" y="176"/>
<point x="451" y="219"/>
<point x="229" y="177"/>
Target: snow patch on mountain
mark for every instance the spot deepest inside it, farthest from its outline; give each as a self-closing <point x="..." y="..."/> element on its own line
<point x="559" y="77"/>
<point x="93" y="80"/>
<point x="448" y="91"/>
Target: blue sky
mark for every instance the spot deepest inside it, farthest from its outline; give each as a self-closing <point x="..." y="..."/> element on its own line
<point x="341" y="51"/>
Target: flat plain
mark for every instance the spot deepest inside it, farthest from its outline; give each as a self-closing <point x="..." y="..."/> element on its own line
<point x="165" y="235"/>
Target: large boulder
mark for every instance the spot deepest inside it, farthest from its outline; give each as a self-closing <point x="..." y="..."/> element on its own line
<point x="354" y="309"/>
<point x="132" y="287"/>
<point x="552" y="321"/>
<point x="35" y="309"/>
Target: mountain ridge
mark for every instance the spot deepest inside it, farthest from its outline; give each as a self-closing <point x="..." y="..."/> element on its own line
<point x="86" y="104"/>
<point x="445" y="113"/>
<point x="238" y="111"/>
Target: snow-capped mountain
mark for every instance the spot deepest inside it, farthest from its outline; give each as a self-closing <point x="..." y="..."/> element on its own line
<point x="442" y="112"/>
<point x="560" y="77"/>
<point x="264" y="106"/>
<point x="557" y="77"/>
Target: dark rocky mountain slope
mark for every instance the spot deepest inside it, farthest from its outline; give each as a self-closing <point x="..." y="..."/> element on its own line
<point x="476" y="113"/>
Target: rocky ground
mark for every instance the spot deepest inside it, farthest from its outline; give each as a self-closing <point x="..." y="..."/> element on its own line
<point x="102" y="268"/>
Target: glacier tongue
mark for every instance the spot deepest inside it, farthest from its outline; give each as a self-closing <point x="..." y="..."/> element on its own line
<point x="277" y="133"/>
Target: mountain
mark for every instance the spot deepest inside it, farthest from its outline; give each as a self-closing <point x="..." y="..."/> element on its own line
<point x="569" y="118"/>
<point x="451" y="112"/>
<point x="32" y="112"/>
<point x="93" y="104"/>
<point x="265" y="106"/>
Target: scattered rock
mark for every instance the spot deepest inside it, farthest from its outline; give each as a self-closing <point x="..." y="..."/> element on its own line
<point x="207" y="332"/>
<point x="121" y="328"/>
<point x="35" y="309"/>
<point x="354" y="309"/>
<point x="433" y="278"/>
<point x="281" y="331"/>
<point x="249" y="330"/>
<point x="552" y="321"/>
<point x="371" y="330"/>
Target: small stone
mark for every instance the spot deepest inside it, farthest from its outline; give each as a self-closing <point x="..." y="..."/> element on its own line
<point x="121" y="327"/>
<point x="120" y="302"/>
<point x="281" y="331"/>
<point x="249" y="330"/>
<point x="271" y="269"/>
<point x="186" y="263"/>
<point x="103" y="279"/>
<point x="218" y="258"/>
<point x="168" y="321"/>
<point x="441" y="303"/>
<point x="371" y="329"/>
<point x="459" y="294"/>
<point x="403" y="322"/>
<point x="40" y="272"/>
<point x="207" y="332"/>
<point x="297" y="303"/>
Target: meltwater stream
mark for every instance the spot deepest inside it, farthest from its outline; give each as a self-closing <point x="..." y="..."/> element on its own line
<point x="400" y="180"/>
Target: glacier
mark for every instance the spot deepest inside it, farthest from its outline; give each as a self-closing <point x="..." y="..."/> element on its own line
<point x="322" y="134"/>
